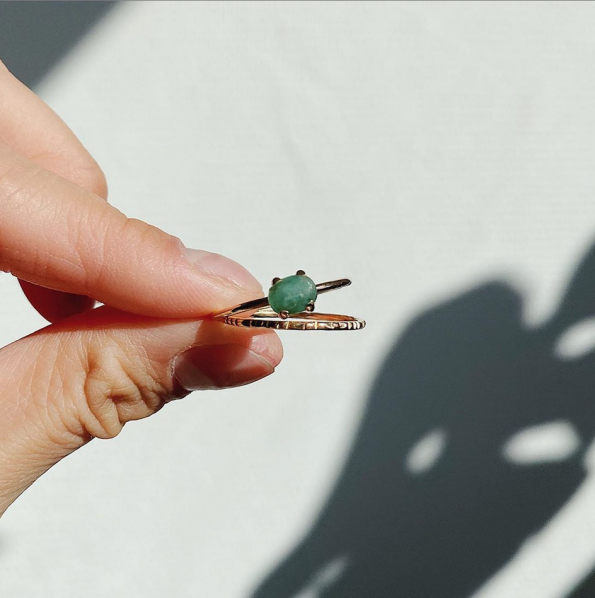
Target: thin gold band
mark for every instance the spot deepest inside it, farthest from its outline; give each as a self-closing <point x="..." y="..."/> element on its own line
<point x="258" y="314"/>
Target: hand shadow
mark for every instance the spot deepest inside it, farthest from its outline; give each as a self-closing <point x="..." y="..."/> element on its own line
<point x="428" y="504"/>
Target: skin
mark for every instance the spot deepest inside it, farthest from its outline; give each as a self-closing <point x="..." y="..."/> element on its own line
<point x="93" y="370"/>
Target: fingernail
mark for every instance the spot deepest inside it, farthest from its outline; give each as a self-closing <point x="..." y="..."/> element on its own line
<point x="218" y="265"/>
<point x="219" y="366"/>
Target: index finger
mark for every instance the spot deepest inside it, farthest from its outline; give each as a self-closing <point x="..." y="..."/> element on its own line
<point x="56" y="234"/>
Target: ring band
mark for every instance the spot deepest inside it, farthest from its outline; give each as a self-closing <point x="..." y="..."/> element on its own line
<point x="258" y="314"/>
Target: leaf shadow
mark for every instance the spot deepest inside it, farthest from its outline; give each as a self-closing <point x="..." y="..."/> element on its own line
<point x="463" y="379"/>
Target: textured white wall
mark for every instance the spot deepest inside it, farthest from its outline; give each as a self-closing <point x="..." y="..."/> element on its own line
<point x="418" y="148"/>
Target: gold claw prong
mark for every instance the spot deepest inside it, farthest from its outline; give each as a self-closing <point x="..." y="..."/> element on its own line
<point x="300" y="273"/>
<point x="276" y="280"/>
<point x="310" y="306"/>
<point x="284" y="314"/>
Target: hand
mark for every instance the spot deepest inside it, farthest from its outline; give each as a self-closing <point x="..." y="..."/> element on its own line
<point x="92" y="371"/>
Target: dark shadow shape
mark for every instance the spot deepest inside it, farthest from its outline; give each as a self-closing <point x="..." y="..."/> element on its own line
<point x="586" y="589"/>
<point x="35" y="36"/>
<point x="470" y="368"/>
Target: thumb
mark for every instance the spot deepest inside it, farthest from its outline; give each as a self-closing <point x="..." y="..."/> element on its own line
<point x="88" y="375"/>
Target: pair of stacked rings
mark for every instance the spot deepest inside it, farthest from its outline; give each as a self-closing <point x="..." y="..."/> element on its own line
<point x="290" y="306"/>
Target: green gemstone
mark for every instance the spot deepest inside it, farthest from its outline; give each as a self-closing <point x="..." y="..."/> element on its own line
<point x="292" y="294"/>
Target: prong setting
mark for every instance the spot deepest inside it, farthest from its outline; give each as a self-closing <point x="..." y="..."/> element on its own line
<point x="275" y="280"/>
<point x="292" y="294"/>
<point x="284" y="314"/>
<point x="310" y="306"/>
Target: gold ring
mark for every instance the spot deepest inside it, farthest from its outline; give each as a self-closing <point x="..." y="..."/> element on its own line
<point x="290" y="306"/>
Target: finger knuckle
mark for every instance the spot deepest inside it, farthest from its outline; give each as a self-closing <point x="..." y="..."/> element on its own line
<point x="140" y="242"/>
<point x="92" y="178"/>
<point x="118" y="387"/>
<point x="145" y="235"/>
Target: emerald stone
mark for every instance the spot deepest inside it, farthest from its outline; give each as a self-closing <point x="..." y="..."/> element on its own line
<point x="292" y="294"/>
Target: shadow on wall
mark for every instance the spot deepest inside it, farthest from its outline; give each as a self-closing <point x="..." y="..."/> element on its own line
<point x="473" y="438"/>
<point x="34" y="36"/>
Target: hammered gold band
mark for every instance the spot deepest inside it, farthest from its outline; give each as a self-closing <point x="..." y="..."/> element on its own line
<point x="258" y="314"/>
